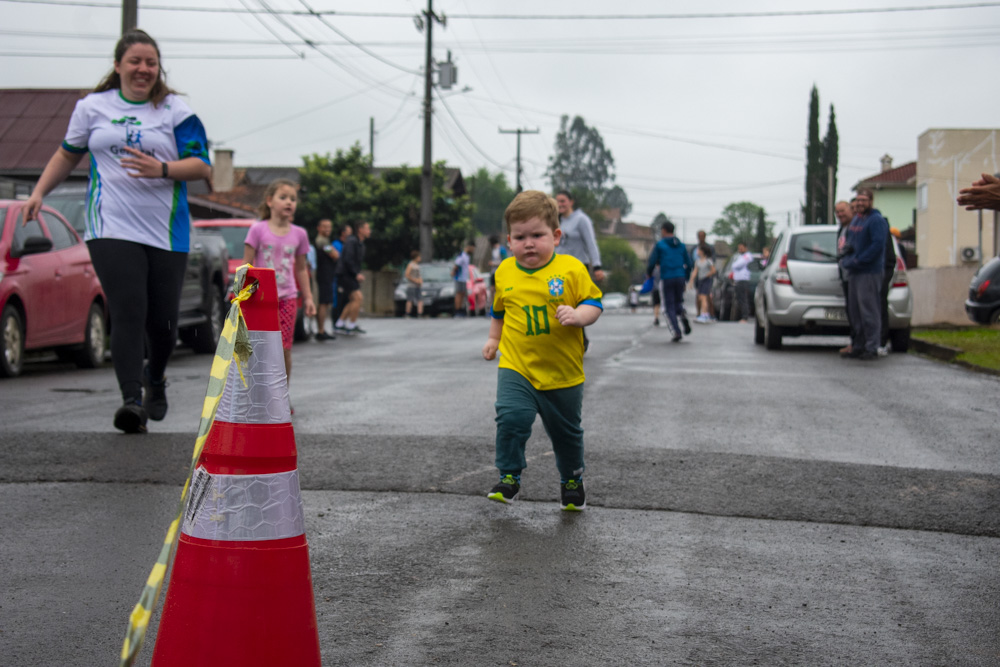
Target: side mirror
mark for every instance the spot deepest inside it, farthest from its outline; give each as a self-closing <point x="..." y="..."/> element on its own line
<point x="34" y="245"/>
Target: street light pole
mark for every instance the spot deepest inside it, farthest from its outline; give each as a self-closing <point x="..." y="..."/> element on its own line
<point x="519" y="131"/>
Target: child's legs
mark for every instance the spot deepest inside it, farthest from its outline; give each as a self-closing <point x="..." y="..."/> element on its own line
<point x="516" y="409"/>
<point x="288" y="366"/>
<point x="287" y="312"/>
<point x="561" y="410"/>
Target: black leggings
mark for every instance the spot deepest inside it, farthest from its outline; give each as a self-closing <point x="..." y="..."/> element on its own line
<point x="143" y="288"/>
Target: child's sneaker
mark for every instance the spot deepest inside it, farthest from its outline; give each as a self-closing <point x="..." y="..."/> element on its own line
<point x="572" y="496"/>
<point x="506" y="490"/>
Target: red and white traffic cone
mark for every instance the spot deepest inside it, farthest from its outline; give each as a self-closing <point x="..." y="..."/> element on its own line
<point x="241" y="588"/>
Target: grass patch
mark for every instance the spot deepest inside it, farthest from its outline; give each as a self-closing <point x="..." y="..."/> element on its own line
<point x="980" y="346"/>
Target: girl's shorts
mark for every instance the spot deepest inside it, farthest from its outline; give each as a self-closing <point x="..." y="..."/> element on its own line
<point x="287" y="310"/>
<point x="704" y="286"/>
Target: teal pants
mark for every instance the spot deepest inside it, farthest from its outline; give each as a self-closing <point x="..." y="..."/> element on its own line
<point x="517" y="404"/>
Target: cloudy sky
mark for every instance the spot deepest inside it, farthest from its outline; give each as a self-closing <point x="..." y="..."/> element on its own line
<point x="701" y="103"/>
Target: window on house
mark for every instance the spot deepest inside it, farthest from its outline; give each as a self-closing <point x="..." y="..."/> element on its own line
<point x="922" y="197"/>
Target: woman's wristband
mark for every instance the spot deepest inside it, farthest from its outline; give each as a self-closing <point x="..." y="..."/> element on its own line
<point x="165" y="174"/>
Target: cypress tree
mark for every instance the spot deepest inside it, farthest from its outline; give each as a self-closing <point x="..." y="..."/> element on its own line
<point x="830" y="157"/>
<point x="815" y="173"/>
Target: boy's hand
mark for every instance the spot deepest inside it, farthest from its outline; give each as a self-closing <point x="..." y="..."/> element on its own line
<point x="568" y="317"/>
<point x="490" y="349"/>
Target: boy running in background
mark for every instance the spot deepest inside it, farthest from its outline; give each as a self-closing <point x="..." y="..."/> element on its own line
<point x="542" y="303"/>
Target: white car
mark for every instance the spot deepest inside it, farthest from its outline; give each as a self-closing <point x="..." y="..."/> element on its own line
<point x="613" y="300"/>
<point x="800" y="292"/>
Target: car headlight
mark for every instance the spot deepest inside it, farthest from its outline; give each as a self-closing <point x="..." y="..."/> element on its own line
<point x="400" y="293"/>
<point x="447" y="290"/>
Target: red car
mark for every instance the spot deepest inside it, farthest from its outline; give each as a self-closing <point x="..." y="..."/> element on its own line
<point x="50" y="297"/>
<point x="476" y="288"/>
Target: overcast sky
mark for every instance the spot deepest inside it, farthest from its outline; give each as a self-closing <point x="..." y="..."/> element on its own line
<point x="697" y="112"/>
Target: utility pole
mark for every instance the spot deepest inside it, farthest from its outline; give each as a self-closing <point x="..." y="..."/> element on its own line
<point x="371" y="138"/>
<point x="519" y="131"/>
<point x="426" y="174"/>
<point x="130" y="15"/>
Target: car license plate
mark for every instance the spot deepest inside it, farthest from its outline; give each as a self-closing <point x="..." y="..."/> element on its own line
<point x="838" y="314"/>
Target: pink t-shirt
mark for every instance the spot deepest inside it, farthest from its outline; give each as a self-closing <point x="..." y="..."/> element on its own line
<point x="278" y="253"/>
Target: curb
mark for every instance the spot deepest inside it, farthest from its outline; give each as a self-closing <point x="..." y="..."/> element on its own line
<point x="946" y="353"/>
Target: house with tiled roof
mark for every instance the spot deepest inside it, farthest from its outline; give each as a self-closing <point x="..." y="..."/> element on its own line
<point x="895" y="191"/>
<point x="641" y="238"/>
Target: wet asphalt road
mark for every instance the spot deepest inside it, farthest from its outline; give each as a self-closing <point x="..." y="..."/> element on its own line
<point x="746" y="506"/>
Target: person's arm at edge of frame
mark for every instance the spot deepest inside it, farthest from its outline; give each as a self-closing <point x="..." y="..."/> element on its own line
<point x="984" y="193"/>
<point x="59" y="166"/>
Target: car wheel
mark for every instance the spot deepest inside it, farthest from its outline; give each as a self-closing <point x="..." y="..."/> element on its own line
<point x="399" y="309"/>
<point x="900" y="339"/>
<point x="725" y="306"/>
<point x="12" y="332"/>
<point x="772" y="335"/>
<point x="995" y="317"/>
<point x="758" y="331"/>
<point x="204" y="338"/>
<point x="91" y="355"/>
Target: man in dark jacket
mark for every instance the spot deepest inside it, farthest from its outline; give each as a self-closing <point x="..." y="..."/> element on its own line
<point x="349" y="279"/>
<point x="675" y="269"/>
<point x="865" y="245"/>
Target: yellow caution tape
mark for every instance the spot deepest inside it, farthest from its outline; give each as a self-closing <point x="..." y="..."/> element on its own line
<point x="233" y="343"/>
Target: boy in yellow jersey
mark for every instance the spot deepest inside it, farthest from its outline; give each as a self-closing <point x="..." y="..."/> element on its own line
<point x="541" y="305"/>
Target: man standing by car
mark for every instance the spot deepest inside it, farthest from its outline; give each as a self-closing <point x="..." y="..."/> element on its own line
<point x="349" y="279"/>
<point x="845" y="214"/>
<point x="865" y="252"/>
<point x="741" y="280"/>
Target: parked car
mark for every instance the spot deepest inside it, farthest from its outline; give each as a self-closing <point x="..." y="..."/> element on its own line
<point x="438" y="291"/>
<point x="983" y="304"/>
<point x="614" y="300"/>
<point x="724" y="288"/>
<point x="800" y="291"/>
<point x="234" y="231"/>
<point x="50" y="296"/>
<point x="203" y="305"/>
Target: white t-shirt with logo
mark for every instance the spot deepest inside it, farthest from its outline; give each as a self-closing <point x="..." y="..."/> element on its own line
<point x="151" y="211"/>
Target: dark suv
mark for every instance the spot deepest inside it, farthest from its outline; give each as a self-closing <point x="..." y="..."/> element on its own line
<point x="983" y="304"/>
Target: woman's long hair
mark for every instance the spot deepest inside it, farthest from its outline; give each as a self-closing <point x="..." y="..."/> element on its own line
<point x="113" y="81"/>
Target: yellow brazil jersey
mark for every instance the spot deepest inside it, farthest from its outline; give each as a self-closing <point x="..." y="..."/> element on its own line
<point x="533" y="343"/>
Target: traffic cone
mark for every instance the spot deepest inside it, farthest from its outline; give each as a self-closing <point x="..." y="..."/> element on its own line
<point x="241" y="589"/>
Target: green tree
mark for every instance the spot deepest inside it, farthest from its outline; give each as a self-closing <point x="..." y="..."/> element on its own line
<point x="344" y="189"/>
<point x="622" y="266"/>
<point x="616" y="198"/>
<point x="812" y="212"/>
<point x="658" y="221"/>
<point x="761" y="237"/>
<point x="738" y="223"/>
<point x="581" y="162"/>
<point x="831" y="149"/>
<point x="491" y="194"/>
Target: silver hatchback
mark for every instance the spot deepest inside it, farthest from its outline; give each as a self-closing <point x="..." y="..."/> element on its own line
<point x="800" y="292"/>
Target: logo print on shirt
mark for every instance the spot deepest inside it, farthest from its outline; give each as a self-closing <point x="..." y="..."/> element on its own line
<point x="556" y="285"/>
<point x="133" y="138"/>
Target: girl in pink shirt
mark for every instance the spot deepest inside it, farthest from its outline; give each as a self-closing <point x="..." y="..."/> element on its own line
<point x="275" y="243"/>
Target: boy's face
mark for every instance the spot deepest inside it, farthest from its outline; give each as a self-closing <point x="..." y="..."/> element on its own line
<point x="532" y="242"/>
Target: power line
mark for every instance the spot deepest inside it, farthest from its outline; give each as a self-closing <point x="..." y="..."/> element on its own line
<point x="542" y="17"/>
<point x="322" y="20"/>
<point x="447" y="108"/>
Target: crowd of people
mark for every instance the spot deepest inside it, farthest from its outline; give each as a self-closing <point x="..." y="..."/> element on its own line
<point x="145" y="143"/>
